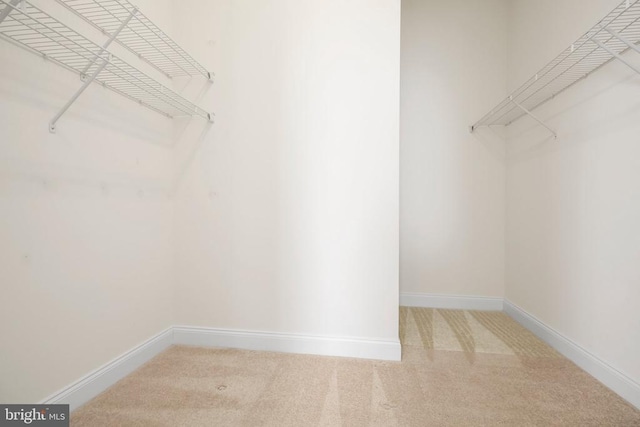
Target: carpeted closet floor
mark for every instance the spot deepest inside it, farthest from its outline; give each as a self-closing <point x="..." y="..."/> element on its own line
<point x="459" y="368"/>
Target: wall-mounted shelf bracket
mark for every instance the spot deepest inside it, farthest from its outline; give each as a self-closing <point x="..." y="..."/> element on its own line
<point x="83" y="74"/>
<point x="533" y="116"/>
<point x="623" y="39"/>
<point x="617" y="55"/>
<point x="5" y="12"/>
<point x="473" y="128"/>
<point x="87" y="82"/>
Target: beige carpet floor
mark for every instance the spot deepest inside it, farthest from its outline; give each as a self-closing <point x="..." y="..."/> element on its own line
<point x="459" y="368"/>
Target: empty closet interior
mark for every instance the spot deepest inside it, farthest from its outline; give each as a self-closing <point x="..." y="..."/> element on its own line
<point x="278" y="175"/>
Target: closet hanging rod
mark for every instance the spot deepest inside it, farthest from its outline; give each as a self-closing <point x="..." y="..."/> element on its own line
<point x="141" y="36"/>
<point x="34" y="29"/>
<point x="616" y="33"/>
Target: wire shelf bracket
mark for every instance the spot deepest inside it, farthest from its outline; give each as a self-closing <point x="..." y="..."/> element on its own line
<point x="52" y="123"/>
<point x="141" y="37"/>
<point x="534" y="117"/>
<point x="106" y="44"/>
<point x="617" y="56"/>
<point x="28" y="26"/>
<point x="83" y="75"/>
<point x="6" y="10"/>
<point x="608" y="40"/>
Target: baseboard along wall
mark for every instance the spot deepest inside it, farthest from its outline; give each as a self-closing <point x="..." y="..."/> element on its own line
<point x="621" y="384"/>
<point x="94" y="383"/>
<point x="288" y="343"/>
<point x="457" y="302"/>
<point x="102" y="378"/>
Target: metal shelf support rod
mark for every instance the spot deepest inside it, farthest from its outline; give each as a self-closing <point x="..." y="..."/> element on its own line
<point x="108" y="42"/>
<point x="52" y="124"/>
<point x="533" y="116"/>
<point x="623" y="39"/>
<point x="5" y="12"/>
<point x="617" y="56"/>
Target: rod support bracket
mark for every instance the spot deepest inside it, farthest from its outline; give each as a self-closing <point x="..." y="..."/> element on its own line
<point x="624" y="40"/>
<point x="13" y="4"/>
<point x="615" y="54"/>
<point x="533" y="116"/>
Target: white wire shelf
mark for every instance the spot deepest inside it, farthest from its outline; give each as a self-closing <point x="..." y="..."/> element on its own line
<point x="141" y="36"/>
<point x="30" y="27"/>
<point x="616" y="33"/>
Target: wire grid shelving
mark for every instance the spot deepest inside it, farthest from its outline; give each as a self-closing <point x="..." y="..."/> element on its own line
<point x="141" y="36"/>
<point x="36" y="30"/>
<point x="613" y="35"/>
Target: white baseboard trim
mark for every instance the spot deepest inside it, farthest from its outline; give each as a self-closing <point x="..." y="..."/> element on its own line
<point x="102" y="378"/>
<point x="288" y="343"/>
<point x="458" y="302"/>
<point x="94" y="383"/>
<point x="603" y="372"/>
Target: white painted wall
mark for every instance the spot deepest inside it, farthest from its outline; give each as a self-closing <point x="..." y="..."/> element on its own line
<point x="452" y="182"/>
<point x="287" y="212"/>
<point x="85" y="224"/>
<point x="573" y="239"/>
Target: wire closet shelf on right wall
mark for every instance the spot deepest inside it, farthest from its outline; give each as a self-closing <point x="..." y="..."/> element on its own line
<point x="609" y="39"/>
